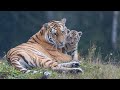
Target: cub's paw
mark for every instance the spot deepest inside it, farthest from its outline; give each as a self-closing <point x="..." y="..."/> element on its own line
<point x="75" y="64"/>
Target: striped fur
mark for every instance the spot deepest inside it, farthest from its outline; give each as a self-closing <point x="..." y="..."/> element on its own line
<point x="71" y="46"/>
<point x="43" y="50"/>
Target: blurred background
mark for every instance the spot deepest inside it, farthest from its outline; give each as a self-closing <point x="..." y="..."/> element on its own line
<point x="99" y="27"/>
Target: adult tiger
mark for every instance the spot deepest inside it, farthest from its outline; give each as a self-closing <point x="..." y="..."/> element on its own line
<point x="43" y="50"/>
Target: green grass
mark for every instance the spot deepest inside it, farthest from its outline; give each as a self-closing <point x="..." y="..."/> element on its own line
<point x="91" y="71"/>
<point x="91" y="64"/>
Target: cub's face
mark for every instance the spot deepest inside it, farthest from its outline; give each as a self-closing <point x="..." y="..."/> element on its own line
<point x="56" y="33"/>
<point x="73" y="37"/>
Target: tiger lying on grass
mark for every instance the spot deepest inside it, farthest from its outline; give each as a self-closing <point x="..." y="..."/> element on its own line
<point x="43" y="50"/>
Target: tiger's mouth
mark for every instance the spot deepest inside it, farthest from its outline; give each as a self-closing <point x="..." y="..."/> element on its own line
<point x="72" y="43"/>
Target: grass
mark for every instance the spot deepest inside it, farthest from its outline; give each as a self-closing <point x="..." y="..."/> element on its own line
<point x="91" y="64"/>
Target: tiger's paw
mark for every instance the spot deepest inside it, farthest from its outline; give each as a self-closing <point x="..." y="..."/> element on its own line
<point x="76" y="70"/>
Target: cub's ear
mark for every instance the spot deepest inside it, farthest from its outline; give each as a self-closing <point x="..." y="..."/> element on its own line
<point x="45" y="25"/>
<point x="63" y="20"/>
<point x="80" y="33"/>
<point x="68" y="30"/>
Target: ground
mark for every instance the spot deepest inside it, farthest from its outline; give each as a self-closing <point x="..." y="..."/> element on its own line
<point x="92" y="70"/>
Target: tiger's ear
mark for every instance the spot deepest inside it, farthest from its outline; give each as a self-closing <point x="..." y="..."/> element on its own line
<point x="80" y="33"/>
<point x="45" y="25"/>
<point x="63" y="20"/>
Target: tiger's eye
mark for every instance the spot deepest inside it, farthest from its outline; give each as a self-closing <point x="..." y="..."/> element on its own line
<point x="55" y="34"/>
<point x="75" y="38"/>
<point x="62" y="31"/>
<point x="70" y="37"/>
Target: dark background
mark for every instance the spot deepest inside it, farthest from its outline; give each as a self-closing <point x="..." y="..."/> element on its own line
<point x="17" y="27"/>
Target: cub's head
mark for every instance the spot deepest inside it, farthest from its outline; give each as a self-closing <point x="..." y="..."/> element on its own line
<point x="73" y="37"/>
<point x="55" y="32"/>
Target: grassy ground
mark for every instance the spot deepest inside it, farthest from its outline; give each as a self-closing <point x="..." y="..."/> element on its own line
<point x="91" y="71"/>
<point x="91" y="64"/>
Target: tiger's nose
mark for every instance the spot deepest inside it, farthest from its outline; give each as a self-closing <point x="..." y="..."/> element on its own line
<point x="72" y="43"/>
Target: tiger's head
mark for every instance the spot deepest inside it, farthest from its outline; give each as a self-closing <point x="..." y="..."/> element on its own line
<point x="55" y="32"/>
<point x="73" y="37"/>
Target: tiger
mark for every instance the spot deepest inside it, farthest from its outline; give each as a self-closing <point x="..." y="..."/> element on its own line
<point x="71" y="45"/>
<point x="43" y="49"/>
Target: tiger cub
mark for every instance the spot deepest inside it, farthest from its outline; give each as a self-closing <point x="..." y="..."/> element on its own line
<point x="71" y="45"/>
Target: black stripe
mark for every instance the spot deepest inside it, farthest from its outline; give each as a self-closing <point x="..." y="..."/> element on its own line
<point x="41" y="32"/>
<point x="69" y="44"/>
<point x="73" y="51"/>
<point x="35" y="62"/>
<point x="72" y="56"/>
<point x="53" y="24"/>
<point x="50" y="39"/>
<point x="32" y="65"/>
<point x="23" y="58"/>
<point x="48" y="35"/>
<point x="37" y="37"/>
<point x="66" y="46"/>
<point x="50" y="63"/>
<point x="34" y="39"/>
<point x="47" y="61"/>
<point x="30" y="41"/>
<point x="13" y="52"/>
<point x="13" y="58"/>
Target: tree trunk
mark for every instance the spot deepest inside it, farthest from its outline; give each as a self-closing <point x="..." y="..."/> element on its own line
<point x="114" y="29"/>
